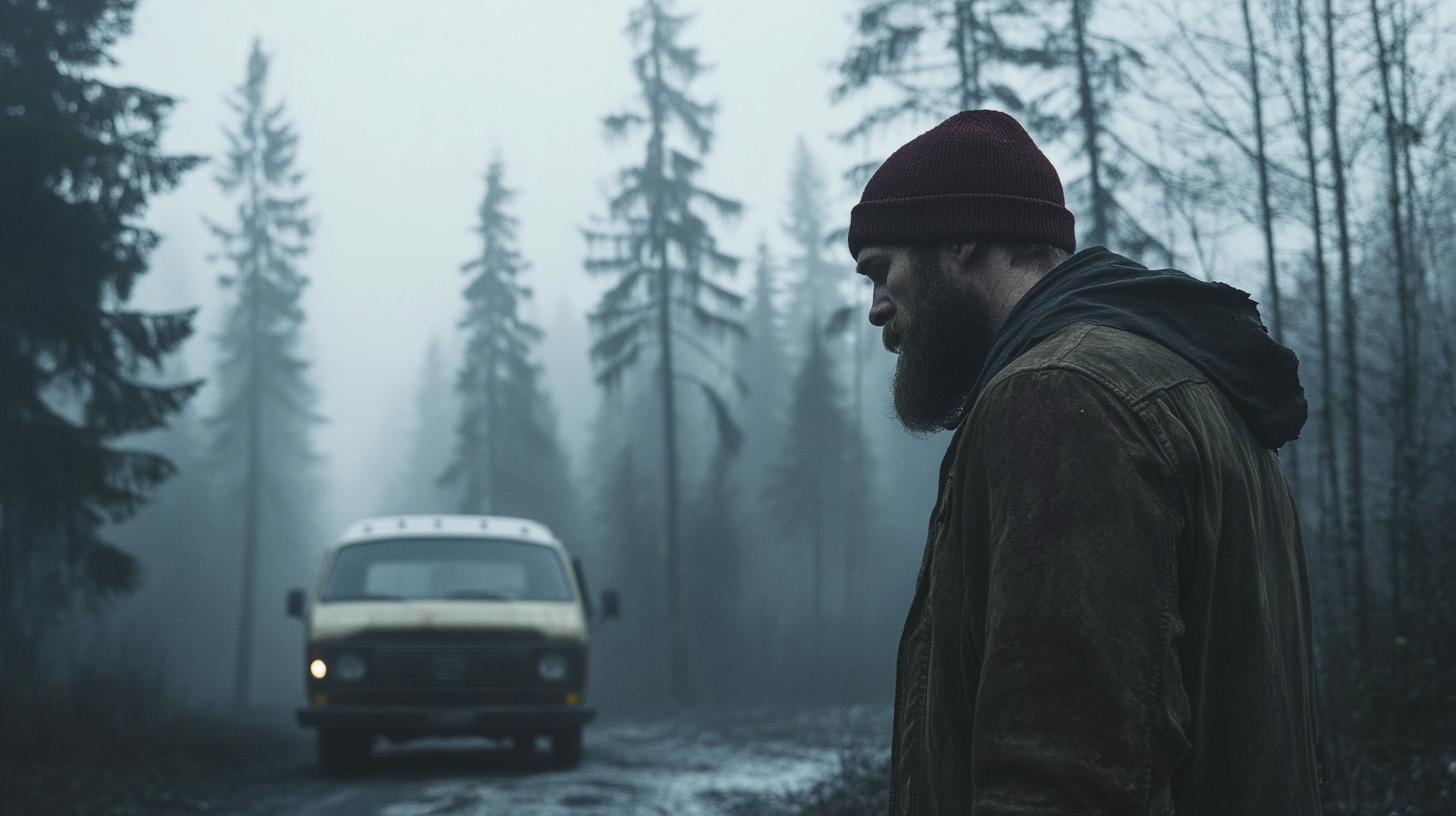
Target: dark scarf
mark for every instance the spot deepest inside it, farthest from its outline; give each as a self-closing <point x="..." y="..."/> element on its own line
<point x="1211" y="325"/>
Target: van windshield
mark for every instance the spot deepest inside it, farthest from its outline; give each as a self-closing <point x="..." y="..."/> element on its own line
<point x="411" y="569"/>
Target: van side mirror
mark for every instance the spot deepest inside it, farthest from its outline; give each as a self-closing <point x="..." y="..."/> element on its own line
<point x="295" y="603"/>
<point x="611" y="604"/>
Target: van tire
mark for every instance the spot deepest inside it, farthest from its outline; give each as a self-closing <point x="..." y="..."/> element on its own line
<point x="343" y="752"/>
<point x="566" y="747"/>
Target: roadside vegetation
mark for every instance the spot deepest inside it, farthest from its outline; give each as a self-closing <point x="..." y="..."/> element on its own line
<point x="112" y="739"/>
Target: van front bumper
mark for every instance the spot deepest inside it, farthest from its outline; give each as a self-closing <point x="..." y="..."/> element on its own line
<point x="423" y="720"/>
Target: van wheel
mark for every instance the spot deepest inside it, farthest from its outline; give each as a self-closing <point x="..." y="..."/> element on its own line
<point x="566" y="747"/>
<point x="343" y="752"/>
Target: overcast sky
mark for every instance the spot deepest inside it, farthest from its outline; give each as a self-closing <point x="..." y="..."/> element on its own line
<point x="400" y="107"/>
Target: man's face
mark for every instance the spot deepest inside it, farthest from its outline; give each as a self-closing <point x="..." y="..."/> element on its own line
<point x="936" y="321"/>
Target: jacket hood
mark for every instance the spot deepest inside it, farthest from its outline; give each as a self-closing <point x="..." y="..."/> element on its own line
<point x="1211" y="325"/>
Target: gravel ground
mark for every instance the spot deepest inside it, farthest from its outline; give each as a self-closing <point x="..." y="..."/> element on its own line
<point x="696" y="764"/>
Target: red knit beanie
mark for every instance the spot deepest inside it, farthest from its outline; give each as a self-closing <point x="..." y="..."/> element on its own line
<point x="977" y="175"/>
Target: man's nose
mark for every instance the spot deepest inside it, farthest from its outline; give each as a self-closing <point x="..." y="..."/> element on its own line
<point x="881" y="308"/>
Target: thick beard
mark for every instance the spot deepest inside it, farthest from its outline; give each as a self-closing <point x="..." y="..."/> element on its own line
<point x="942" y="335"/>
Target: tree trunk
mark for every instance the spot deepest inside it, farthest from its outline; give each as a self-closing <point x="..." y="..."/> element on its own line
<point x="858" y="519"/>
<point x="968" y="54"/>
<point x="1403" y="481"/>
<point x="1329" y="507"/>
<point x="1416" y="275"/>
<point x="671" y="555"/>
<point x="1087" y="110"/>
<point x="488" y="502"/>
<point x="1349" y="319"/>
<point x="816" y="532"/>
<point x="252" y="476"/>
<point x="1266" y="213"/>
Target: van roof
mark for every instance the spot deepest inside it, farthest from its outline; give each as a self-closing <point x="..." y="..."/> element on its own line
<point x="447" y="525"/>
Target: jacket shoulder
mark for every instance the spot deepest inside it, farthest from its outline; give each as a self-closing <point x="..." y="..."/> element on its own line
<point x="1129" y="365"/>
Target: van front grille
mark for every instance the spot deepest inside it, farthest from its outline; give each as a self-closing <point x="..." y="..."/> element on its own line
<point x="457" y="666"/>
<point x="416" y="698"/>
<point x="433" y="666"/>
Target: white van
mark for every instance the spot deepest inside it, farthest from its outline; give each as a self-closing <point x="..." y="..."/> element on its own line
<point x="434" y="625"/>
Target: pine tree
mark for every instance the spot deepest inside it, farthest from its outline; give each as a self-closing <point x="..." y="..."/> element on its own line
<point x="81" y="158"/>
<point x="182" y="570"/>
<point x="817" y="295"/>
<point x="810" y="482"/>
<point x="712" y="559"/>
<point x="266" y="406"/>
<point x="985" y="58"/>
<point x="1102" y="69"/>
<point x="507" y="458"/>
<point x="667" y="298"/>
<point x="821" y="465"/>
<point x="763" y="368"/>
<point x="416" y="487"/>
<point x="935" y="76"/>
<point x="763" y="365"/>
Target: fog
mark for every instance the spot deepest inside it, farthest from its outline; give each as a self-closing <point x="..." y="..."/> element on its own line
<point x="763" y="514"/>
<point x="399" y="112"/>
<point x="398" y="115"/>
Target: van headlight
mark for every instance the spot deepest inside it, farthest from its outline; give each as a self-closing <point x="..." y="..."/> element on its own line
<point x="552" y="667"/>
<point x="348" y="667"/>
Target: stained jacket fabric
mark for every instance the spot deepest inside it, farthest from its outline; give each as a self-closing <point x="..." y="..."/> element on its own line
<point x="1112" y="614"/>
<point x="1212" y="325"/>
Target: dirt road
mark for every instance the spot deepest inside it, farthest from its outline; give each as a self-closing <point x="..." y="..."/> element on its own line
<point x="697" y="764"/>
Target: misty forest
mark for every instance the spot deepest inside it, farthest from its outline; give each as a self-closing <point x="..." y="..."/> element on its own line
<point x="166" y="473"/>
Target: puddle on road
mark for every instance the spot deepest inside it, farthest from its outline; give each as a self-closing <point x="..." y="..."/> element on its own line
<point x="633" y="770"/>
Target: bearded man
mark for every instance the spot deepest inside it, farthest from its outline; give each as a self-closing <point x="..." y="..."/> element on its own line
<point x="1112" y="614"/>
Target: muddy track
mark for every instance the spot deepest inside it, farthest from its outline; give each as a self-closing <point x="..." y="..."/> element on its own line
<point x="698" y="764"/>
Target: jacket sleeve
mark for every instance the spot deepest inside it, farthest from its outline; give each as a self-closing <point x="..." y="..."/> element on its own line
<point x="1079" y="700"/>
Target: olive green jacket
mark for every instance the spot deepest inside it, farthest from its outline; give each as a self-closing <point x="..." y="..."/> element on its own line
<point x="1112" y="614"/>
